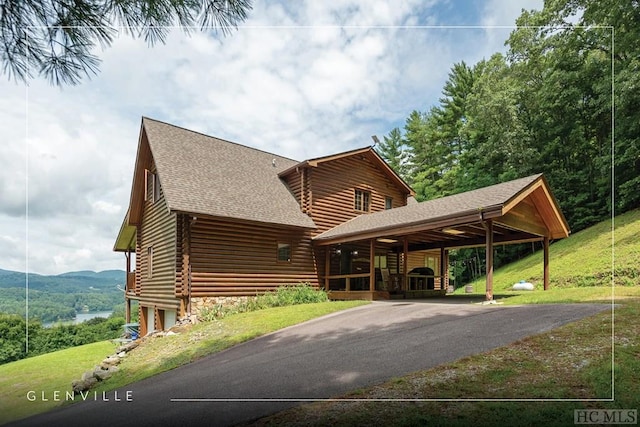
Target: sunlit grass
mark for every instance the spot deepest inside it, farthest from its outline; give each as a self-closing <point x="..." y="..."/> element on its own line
<point x="584" y="259"/>
<point x="45" y="375"/>
<point x="55" y="371"/>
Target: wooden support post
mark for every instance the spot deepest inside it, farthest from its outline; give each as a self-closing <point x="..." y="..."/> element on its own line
<point x="127" y="302"/>
<point x="372" y="265"/>
<point x="546" y="262"/>
<point x="445" y="273"/>
<point x="441" y="272"/>
<point x="127" y="310"/>
<point x="489" y="257"/>
<point x="327" y="267"/>
<point x="405" y="269"/>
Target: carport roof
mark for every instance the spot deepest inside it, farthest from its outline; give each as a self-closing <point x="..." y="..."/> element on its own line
<point x="525" y="206"/>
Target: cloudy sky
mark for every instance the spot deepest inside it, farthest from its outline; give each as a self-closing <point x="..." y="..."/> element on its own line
<point x="299" y="79"/>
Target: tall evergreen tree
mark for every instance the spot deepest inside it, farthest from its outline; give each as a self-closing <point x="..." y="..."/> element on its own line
<point x="393" y="150"/>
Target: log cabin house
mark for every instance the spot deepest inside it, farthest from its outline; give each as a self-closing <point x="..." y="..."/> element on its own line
<point x="211" y="221"/>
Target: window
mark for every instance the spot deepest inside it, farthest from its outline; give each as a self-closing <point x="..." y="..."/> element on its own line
<point x="362" y="200"/>
<point x="150" y="262"/>
<point x="284" y="252"/>
<point x="152" y="186"/>
<point x="388" y="203"/>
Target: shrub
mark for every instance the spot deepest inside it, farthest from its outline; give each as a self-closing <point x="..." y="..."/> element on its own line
<point x="302" y="293"/>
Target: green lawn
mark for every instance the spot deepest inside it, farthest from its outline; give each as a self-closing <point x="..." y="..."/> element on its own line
<point x="45" y="374"/>
<point x="584" y="260"/>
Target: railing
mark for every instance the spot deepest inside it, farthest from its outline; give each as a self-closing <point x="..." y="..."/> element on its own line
<point x="347" y="281"/>
<point x="131" y="282"/>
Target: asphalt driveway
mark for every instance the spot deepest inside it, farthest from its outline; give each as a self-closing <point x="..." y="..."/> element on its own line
<point x="316" y="360"/>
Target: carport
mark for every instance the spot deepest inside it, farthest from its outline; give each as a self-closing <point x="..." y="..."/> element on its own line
<point x="371" y="256"/>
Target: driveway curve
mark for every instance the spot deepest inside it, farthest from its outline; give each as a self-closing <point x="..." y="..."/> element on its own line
<point x="318" y="359"/>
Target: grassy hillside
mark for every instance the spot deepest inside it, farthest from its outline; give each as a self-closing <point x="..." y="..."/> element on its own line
<point x="53" y="372"/>
<point x="582" y="260"/>
<point x="45" y="375"/>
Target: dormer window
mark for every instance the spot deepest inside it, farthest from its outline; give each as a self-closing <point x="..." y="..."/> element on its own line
<point x="362" y="200"/>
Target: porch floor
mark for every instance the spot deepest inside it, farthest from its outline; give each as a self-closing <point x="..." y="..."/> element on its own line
<point x="385" y="295"/>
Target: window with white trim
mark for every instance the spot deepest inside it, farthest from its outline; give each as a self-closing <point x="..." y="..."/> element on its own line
<point x="362" y="200"/>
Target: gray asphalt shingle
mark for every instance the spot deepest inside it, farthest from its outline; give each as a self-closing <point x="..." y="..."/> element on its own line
<point x="432" y="210"/>
<point x="201" y="174"/>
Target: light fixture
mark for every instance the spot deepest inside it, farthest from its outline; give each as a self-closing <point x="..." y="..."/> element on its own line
<point x="452" y="231"/>
<point x="385" y="240"/>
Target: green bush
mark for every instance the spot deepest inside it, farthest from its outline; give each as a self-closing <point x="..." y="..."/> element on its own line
<point x="302" y="293"/>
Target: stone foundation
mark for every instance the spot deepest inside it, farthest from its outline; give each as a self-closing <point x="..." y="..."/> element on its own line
<point x="200" y="303"/>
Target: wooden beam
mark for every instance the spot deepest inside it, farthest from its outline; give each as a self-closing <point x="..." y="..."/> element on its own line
<point x="528" y="225"/>
<point x="405" y="271"/>
<point x="469" y="217"/>
<point x="442" y="268"/>
<point x="523" y="195"/>
<point x="445" y="273"/>
<point x="327" y="267"/>
<point x="489" y="257"/>
<point x="468" y="243"/>
<point x="546" y="263"/>
<point x="372" y="265"/>
<point x="127" y="310"/>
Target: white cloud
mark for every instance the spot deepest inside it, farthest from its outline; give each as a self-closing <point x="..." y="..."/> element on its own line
<point x="300" y="79"/>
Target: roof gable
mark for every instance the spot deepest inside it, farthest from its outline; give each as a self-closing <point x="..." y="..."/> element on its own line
<point x="501" y="200"/>
<point x="370" y="153"/>
<point x="200" y="174"/>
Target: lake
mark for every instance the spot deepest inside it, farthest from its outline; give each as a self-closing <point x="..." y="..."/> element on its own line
<point x="81" y="317"/>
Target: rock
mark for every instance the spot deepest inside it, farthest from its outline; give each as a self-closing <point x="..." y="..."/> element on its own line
<point x="86" y="376"/>
<point x="127" y="347"/>
<point x="111" y="361"/>
<point x="122" y="354"/>
<point x="79" y="386"/>
<point x="103" y="374"/>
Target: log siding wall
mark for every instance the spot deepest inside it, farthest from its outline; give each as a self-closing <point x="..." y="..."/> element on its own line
<point x="332" y="185"/>
<point x="232" y="258"/>
<point x="157" y="230"/>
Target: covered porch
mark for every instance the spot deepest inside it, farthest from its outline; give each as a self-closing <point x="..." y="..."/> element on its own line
<point x="404" y="251"/>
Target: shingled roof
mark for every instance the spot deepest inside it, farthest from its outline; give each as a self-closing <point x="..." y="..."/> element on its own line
<point x="458" y="208"/>
<point x="200" y="174"/>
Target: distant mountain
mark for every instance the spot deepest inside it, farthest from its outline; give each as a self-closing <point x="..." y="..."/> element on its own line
<point x="66" y="282"/>
<point x="107" y="274"/>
